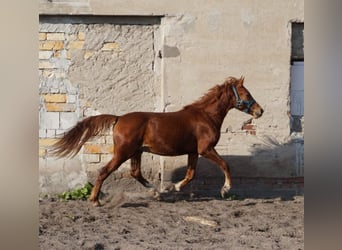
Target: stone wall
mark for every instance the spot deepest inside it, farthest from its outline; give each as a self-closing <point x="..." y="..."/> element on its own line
<point x="87" y="67"/>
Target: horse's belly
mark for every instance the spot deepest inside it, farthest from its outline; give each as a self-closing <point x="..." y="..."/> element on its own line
<point x="169" y="134"/>
<point x="170" y="149"/>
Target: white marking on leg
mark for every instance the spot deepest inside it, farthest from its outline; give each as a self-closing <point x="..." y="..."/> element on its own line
<point x="227" y="184"/>
<point x="226" y="187"/>
<point x="178" y="186"/>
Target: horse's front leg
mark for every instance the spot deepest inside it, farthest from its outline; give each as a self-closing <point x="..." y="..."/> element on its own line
<point x="212" y="155"/>
<point x="190" y="173"/>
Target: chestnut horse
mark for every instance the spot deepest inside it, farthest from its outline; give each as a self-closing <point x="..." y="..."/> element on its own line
<point x="194" y="130"/>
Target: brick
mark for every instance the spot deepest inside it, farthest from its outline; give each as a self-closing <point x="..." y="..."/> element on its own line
<point x="109" y="139"/>
<point x="42" y="133"/>
<point x="68" y="55"/>
<point x="55" y="36"/>
<point x="45" y="54"/>
<point x="42" y="152"/>
<point x="42" y="36"/>
<point x="57" y="54"/>
<point x="251" y="132"/>
<point x="76" y="45"/>
<point x="60" y="132"/>
<point x="106" y="158"/>
<point x="46" y="65"/>
<point x="48" y="73"/>
<point x="248" y="127"/>
<point x="110" y="46"/>
<point x="98" y="149"/>
<point x="48" y="120"/>
<point x="71" y="98"/>
<point x="50" y="133"/>
<point x="60" y="107"/>
<point x="92" y="158"/>
<point x="97" y="140"/>
<point x="47" y="142"/>
<point x="68" y="120"/>
<point x="81" y="35"/>
<point x="87" y="54"/>
<point x="51" y="45"/>
<point x="59" y="98"/>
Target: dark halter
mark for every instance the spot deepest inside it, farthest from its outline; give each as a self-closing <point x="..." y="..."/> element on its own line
<point x="248" y="104"/>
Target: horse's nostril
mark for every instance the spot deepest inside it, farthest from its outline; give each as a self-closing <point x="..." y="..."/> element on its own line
<point x="262" y="111"/>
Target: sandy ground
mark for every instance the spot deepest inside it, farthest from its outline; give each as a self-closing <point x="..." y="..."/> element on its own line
<point x="137" y="221"/>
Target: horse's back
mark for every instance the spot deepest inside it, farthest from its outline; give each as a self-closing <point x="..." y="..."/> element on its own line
<point x="169" y="133"/>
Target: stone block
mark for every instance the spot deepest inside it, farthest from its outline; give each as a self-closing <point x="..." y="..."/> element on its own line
<point x="51" y="45"/>
<point x="106" y="158"/>
<point x="110" y="46"/>
<point x="42" y="152"/>
<point x="68" y="120"/>
<point x="42" y="133"/>
<point x="68" y="55"/>
<point x="109" y="139"/>
<point x="55" y="36"/>
<point x="42" y="36"/>
<point x="49" y="120"/>
<point x="97" y="140"/>
<point x="45" y="65"/>
<point x="60" y="132"/>
<point x="55" y="98"/>
<point x="98" y="149"/>
<point x="47" y="142"/>
<point x="92" y="158"/>
<point x="81" y="35"/>
<point x="88" y="54"/>
<point x="76" y="45"/>
<point x="57" y="54"/>
<point x="71" y="98"/>
<point x="50" y="133"/>
<point x="60" y="107"/>
<point x="45" y="54"/>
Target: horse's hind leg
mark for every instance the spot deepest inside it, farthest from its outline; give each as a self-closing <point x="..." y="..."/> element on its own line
<point x="110" y="167"/>
<point x="190" y="173"/>
<point x="136" y="170"/>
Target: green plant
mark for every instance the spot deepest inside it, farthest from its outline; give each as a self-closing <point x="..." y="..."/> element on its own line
<point x="77" y="194"/>
<point x="234" y="197"/>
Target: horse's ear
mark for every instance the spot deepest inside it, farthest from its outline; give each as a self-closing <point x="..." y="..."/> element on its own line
<point x="240" y="81"/>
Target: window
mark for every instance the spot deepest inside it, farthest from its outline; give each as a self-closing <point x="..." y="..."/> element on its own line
<point x="297" y="78"/>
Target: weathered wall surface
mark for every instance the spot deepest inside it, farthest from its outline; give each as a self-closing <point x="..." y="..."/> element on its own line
<point x="108" y="68"/>
<point x="87" y="67"/>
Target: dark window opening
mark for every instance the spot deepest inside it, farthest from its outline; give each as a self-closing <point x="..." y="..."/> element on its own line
<point x="297" y="78"/>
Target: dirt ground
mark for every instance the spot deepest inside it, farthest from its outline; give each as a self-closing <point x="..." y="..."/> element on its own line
<point x="138" y="221"/>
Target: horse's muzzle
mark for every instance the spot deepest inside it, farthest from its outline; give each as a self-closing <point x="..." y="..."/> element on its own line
<point x="257" y="113"/>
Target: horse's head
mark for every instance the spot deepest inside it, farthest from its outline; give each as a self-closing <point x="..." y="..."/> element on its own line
<point x="244" y="100"/>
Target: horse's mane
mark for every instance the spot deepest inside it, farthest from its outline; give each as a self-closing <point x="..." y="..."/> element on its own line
<point x="212" y="94"/>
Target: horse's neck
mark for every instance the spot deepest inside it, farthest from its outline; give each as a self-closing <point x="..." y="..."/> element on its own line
<point x="215" y="115"/>
<point x="217" y="112"/>
<point x="214" y="110"/>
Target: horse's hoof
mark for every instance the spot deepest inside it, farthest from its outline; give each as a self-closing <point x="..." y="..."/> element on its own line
<point x="154" y="193"/>
<point x="96" y="204"/>
<point x="224" y="191"/>
<point x="169" y="188"/>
